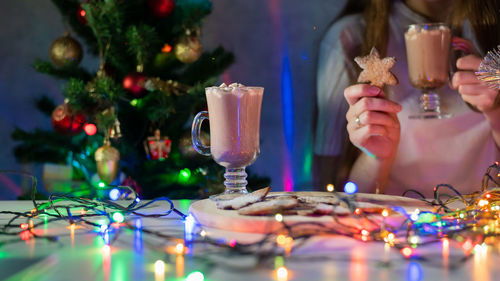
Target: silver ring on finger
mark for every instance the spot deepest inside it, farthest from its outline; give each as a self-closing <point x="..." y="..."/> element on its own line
<point x="358" y="122"/>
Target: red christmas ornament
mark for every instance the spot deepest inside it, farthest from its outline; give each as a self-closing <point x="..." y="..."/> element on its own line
<point x="65" y="121"/>
<point x="134" y="84"/>
<point x="80" y="15"/>
<point x="161" y="8"/>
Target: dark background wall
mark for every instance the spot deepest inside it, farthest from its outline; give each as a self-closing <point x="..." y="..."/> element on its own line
<point x="275" y="43"/>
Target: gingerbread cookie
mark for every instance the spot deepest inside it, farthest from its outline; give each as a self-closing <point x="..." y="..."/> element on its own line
<point x="376" y="70"/>
<point x="269" y="207"/>
<point x="244" y="200"/>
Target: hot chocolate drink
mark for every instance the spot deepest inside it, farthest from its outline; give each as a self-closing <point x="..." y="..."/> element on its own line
<point x="234" y="124"/>
<point x="234" y="115"/>
<point x="428" y="49"/>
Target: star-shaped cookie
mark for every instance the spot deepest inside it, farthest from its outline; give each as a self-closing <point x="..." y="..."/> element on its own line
<point x="376" y="70"/>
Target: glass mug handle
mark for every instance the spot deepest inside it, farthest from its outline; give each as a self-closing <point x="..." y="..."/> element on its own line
<point x="195" y="133"/>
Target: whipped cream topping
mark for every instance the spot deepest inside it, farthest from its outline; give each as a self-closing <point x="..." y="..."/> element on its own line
<point x="231" y="86"/>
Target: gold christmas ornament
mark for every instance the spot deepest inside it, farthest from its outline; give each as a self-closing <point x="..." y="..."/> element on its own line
<point x="115" y="132"/>
<point x="188" y="49"/>
<point x="107" y="159"/>
<point x="66" y="51"/>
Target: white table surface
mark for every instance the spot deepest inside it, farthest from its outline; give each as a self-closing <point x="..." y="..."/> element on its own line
<point x="132" y="256"/>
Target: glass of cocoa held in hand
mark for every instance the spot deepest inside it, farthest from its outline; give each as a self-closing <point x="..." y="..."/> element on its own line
<point x="428" y="55"/>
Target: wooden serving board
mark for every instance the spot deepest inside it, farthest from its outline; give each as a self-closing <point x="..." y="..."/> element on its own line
<point x="206" y="213"/>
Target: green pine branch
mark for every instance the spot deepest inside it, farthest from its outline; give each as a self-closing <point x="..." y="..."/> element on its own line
<point x="44" y="146"/>
<point x="95" y="96"/>
<point x="189" y="13"/>
<point x="142" y="39"/>
<point x="61" y="73"/>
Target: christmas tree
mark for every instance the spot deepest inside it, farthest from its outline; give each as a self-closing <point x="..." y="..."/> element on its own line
<point x="130" y="117"/>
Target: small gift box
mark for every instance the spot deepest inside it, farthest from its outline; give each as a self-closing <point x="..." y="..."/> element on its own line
<point x="157" y="147"/>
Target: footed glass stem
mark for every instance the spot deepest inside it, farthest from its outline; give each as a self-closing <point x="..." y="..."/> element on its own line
<point x="236" y="180"/>
<point x="430" y="107"/>
<point x="235" y="183"/>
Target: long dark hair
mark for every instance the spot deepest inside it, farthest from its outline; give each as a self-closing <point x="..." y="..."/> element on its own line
<point x="483" y="16"/>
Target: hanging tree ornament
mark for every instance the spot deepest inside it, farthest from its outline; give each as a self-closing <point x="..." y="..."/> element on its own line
<point x="157" y="147"/>
<point x="66" y="51"/>
<point x="133" y="83"/>
<point x="108" y="122"/>
<point x="107" y="161"/>
<point x="115" y="132"/>
<point x="189" y="47"/>
<point x="66" y="121"/>
<point x="161" y="8"/>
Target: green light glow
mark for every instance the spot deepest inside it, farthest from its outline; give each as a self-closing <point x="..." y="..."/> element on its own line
<point x="195" y="276"/>
<point x="426" y="217"/>
<point x="98" y="242"/>
<point x="184" y="175"/>
<point x="308" y="157"/>
<point x="118" y="217"/>
<point x="134" y="102"/>
<point x="102" y="184"/>
<point x="184" y="204"/>
<point x="119" y="266"/>
<point x="279" y="262"/>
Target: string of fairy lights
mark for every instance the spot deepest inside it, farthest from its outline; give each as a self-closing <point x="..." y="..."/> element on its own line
<point x="474" y="225"/>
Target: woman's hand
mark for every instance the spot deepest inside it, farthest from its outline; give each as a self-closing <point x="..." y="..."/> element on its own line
<point x="472" y="90"/>
<point x="372" y="123"/>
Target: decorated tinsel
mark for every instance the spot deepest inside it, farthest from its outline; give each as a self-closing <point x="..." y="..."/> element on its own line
<point x="489" y="69"/>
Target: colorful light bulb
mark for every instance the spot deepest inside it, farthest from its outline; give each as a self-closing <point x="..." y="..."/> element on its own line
<point x="195" y="276"/>
<point x="278" y="217"/>
<point x="350" y="187"/>
<point x="407" y="252"/>
<point x="89" y="128"/>
<point x="159" y="267"/>
<point x="114" y="194"/>
<point x="118" y="217"/>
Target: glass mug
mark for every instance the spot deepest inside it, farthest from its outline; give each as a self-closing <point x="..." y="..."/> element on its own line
<point x="234" y="114"/>
<point x="428" y="53"/>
